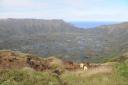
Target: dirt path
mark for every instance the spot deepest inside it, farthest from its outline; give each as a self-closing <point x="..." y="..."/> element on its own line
<point x="102" y="69"/>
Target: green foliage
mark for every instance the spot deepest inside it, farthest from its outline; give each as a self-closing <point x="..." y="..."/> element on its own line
<point x="20" y="77"/>
<point x="96" y="79"/>
<point x="123" y="69"/>
<point x="30" y="77"/>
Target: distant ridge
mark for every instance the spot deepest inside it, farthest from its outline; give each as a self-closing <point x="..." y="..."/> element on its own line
<point x="62" y="39"/>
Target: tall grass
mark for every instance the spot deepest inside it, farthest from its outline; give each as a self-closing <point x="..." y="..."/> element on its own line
<point x="82" y="78"/>
<point x="122" y="69"/>
<point x="118" y="76"/>
<point x="26" y="77"/>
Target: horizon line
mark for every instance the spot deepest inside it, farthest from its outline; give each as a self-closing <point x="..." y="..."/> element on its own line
<point x="68" y="20"/>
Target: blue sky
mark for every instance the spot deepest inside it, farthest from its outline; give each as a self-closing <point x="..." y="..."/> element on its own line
<point x="69" y="10"/>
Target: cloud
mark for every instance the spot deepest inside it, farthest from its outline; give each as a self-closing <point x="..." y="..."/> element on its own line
<point x="21" y="4"/>
<point x="65" y="9"/>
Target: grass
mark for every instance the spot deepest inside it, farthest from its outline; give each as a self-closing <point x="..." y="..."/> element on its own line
<point x="27" y="77"/>
<point x="97" y="79"/>
<point x="118" y="76"/>
<point x="122" y="69"/>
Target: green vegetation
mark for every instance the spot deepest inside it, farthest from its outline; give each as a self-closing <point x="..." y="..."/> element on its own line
<point x="118" y="76"/>
<point x="113" y="72"/>
<point x="96" y="79"/>
<point x="27" y="77"/>
<point x="122" y="69"/>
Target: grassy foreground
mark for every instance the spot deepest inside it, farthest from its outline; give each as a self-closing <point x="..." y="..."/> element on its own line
<point x="118" y="76"/>
<point x="110" y="73"/>
<point x="29" y="77"/>
<point x="97" y="79"/>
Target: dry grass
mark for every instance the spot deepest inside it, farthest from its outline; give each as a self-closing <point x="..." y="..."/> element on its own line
<point x="102" y="74"/>
<point x="98" y="76"/>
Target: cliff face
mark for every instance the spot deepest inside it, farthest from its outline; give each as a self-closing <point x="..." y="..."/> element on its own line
<point x="61" y="39"/>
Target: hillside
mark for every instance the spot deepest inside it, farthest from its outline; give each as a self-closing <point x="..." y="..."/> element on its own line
<point x="17" y="60"/>
<point x="61" y="39"/>
<point x="18" y="68"/>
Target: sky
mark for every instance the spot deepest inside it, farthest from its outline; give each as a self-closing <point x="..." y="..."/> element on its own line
<point x="69" y="10"/>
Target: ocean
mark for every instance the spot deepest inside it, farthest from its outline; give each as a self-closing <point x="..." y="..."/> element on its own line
<point x="86" y="24"/>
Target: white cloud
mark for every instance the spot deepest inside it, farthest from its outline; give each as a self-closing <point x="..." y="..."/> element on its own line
<point x="22" y="4"/>
<point x="65" y="9"/>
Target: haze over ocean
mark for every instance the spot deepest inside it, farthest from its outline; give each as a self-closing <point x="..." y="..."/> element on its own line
<point x="91" y="24"/>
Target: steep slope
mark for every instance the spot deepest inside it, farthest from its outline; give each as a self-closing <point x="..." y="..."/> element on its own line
<point x="117" y="36"/>
<point x="61" y="39"/>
